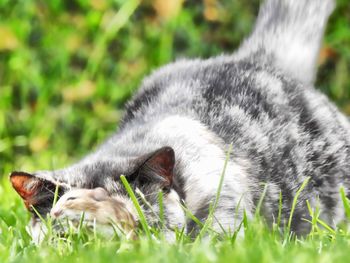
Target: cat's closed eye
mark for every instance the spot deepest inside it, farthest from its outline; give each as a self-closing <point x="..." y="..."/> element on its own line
<point x="71" y="198"/>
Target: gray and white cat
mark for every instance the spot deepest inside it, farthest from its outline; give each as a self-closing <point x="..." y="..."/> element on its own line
<point x="177" y="130"/>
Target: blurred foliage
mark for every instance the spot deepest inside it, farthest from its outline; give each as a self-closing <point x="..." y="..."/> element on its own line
<point x="67" y="67"/>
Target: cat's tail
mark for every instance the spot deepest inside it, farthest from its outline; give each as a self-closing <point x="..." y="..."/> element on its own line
<point x="290" y="31"/>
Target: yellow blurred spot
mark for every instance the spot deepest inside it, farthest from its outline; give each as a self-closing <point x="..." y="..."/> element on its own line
<point x="326" y="53"/>
<point x="8" y="40"/>
<point x="211" y="12"/>
<point x="38" y="144"/>
<point x="77" y="21"/>
<point x="167" y="9"/>
<point x="73" y="43"/>
<point x="81" y="91"/>
<point x="99" y="5"/>
<point x="106" y="113"/>
<point x="346" y="109"/>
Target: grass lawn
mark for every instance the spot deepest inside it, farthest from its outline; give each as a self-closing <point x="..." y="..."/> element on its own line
<point x="66" y="69"/>
<point x="258" y="244"/>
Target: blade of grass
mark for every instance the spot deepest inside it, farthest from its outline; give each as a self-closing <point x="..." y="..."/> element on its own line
<point x="137" y="206"/>
<point x="346" y="203"/>
<point x="118" y="21"/>
<point x="47" y="223"/>
<point x="280" y="204"/>
<point x="313" y="221"/>
<point x="55" y="197"/>
<point x="161" y="207"/>
<point x="212" y="209"/>
<point x="81" y="222"/>
<point x="38" y="214"/>
<point x="295" y="199"/>
<point x="326" y="226"/>
<point x="221" y="182"/>
<point x="192" y="216"/>
<point x="258" y="207"/>
<point x="236" y="232"/>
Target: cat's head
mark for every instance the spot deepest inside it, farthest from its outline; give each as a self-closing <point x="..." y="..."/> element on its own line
<point x="148" y="175"/>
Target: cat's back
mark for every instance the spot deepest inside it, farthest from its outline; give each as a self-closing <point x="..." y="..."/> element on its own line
<point x="208" y="89"/>
<point x="187" y="87"/>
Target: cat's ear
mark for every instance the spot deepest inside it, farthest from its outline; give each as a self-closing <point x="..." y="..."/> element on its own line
<point x="34" y="191"/>
<point x="159" y="167"/>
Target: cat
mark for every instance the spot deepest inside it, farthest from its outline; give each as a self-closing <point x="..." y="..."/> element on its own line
<point x="177" y="131"/>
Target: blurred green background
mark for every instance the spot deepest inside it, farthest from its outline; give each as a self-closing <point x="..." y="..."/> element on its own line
<point x="67" y="67"/>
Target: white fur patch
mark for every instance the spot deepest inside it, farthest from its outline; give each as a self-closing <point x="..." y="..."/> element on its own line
<point x="203" y="159"/>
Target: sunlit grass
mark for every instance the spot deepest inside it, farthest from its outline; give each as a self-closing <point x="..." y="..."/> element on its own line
<point x="257" y="244"/>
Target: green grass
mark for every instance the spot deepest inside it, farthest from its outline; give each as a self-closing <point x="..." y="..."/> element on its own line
<point x="258" y="244"/>
<point x="66" y="69"/>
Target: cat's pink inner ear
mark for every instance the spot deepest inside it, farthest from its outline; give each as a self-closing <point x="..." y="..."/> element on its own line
<point x="26" y="186"/>
<point x="163" y="162"/>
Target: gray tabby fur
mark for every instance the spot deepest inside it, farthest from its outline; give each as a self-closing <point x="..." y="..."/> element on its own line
<point x="261" y="100"/>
